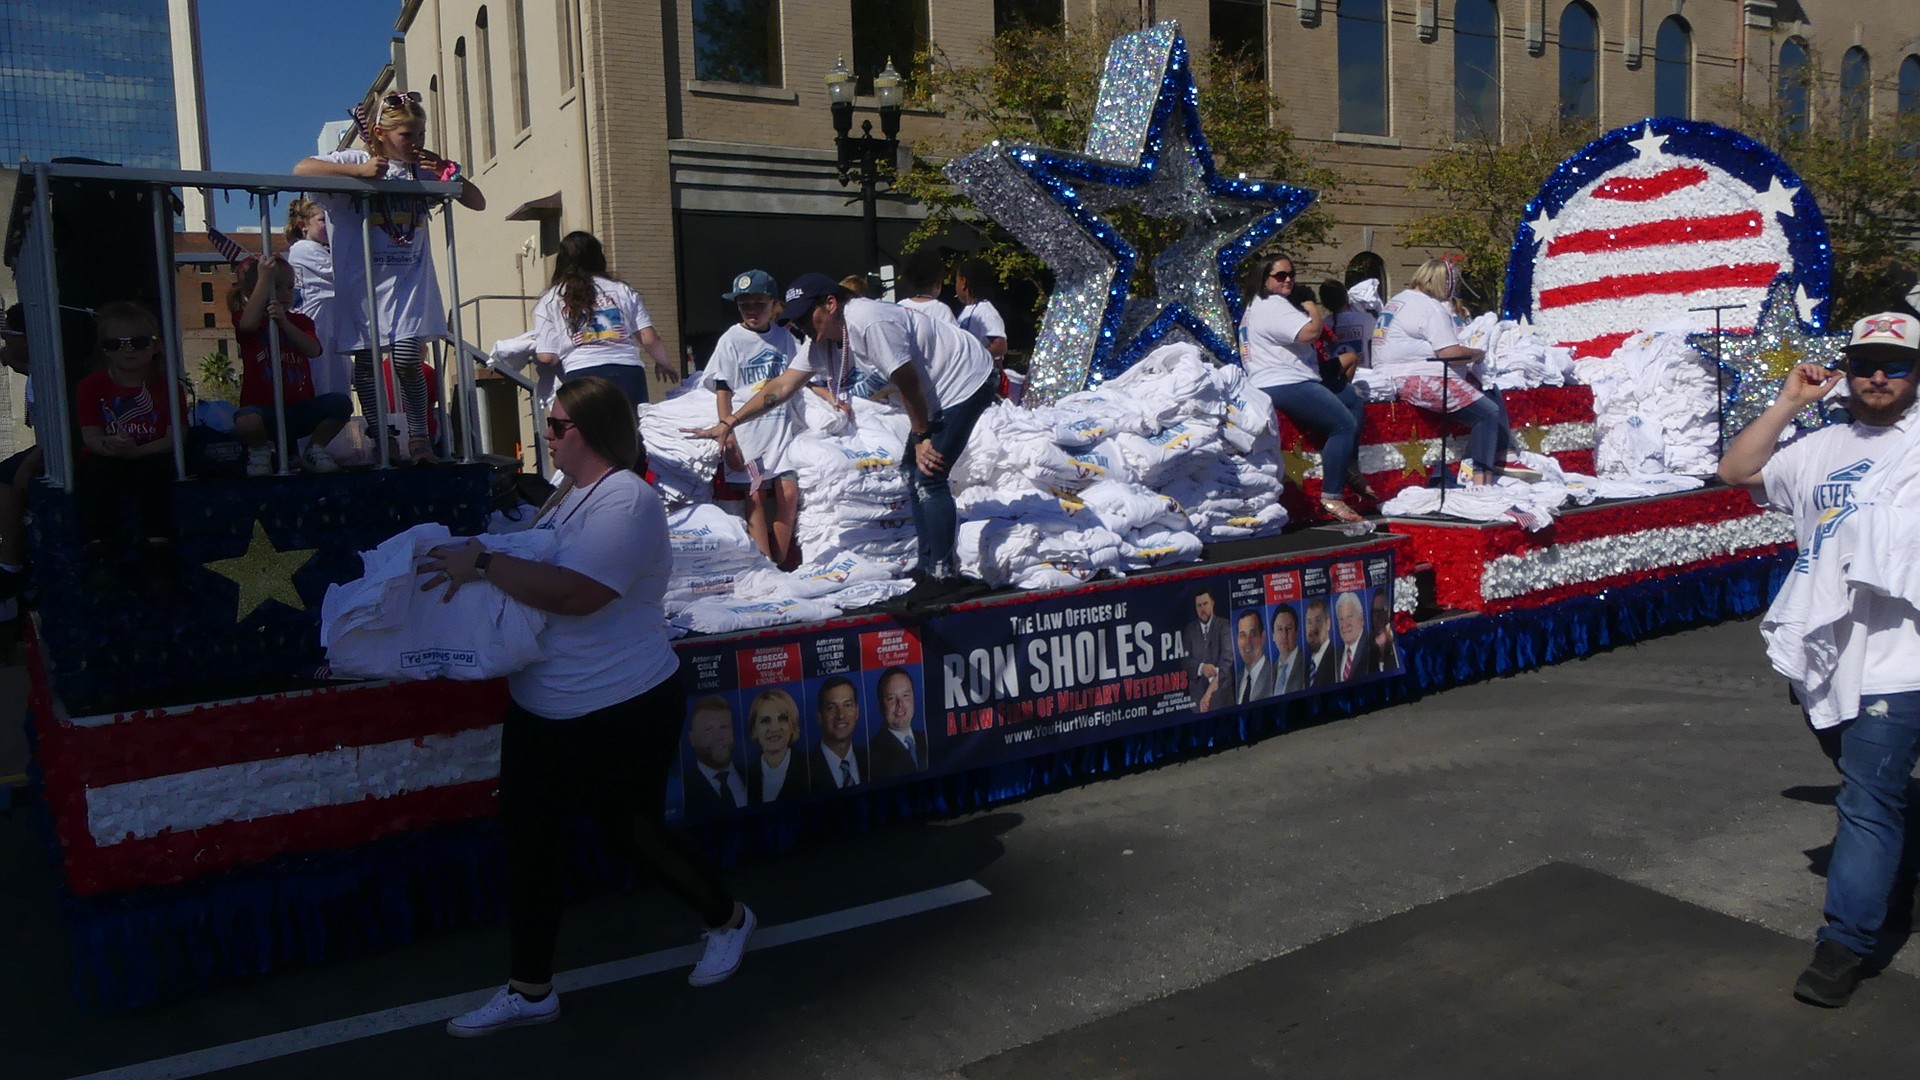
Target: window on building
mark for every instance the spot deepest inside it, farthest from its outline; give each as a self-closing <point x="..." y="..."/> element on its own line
<point x="1239" y="29"/>
<point x="887" y="30"/>
<point x="206" y="292"/>
<point x="483" y="59"/>
<point x="1673" y="68"/>
<point x="1368" y="265"/>
<point x="1791" y="84"/>
<point x="220" y="346"/>
<point x="1476" y="70"/>
<point x="1579" y="63"/>
<point x="1008" y="14"/>
<point x="565" y="8"/>
<point x="1856" y="92"/>
<point x="208" y="321"/>
<point x="463" y="99"/>
<point x="738" y="41"/>
<point x="206" y="268"/>
<point x="1362" y="30"/>
<point x="522" y="103"/>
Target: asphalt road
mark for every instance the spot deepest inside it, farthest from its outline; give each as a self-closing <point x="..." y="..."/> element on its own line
<point x="1676" y="766"/>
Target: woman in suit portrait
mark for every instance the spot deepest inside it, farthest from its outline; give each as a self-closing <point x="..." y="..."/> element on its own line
<point x="773" y="723"/>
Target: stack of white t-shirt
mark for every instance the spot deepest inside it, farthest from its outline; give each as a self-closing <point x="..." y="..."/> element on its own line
<point x="711" y="552"/>
<point x="1656" y="406"/>
<point x="853" y="495"/>
<point x="683" y="466"/>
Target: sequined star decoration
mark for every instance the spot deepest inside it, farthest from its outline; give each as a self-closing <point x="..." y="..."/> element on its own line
<point x="1144" y="150"/>
<point x="1298" y="466"/>
<point x="1413" y="457"/>
<point x="264" y="573"/>
<point x="1756" y="365"/>
<point x="1534" y="436"/>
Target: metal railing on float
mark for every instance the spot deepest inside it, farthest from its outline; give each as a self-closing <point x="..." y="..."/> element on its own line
<point x="31" y="246"/>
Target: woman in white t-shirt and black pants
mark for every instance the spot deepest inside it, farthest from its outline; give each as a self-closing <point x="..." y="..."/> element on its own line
<point x="588" y="323"/>
<point x="1276" y="348"/>
<point x="1416" y="343"/>
<point x="599" y="720"/>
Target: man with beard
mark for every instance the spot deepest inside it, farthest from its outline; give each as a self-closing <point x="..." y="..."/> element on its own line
<point x="714" y="786"/>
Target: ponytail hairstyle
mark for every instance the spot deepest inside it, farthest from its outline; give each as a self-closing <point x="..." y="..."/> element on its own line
<point x="578" y="262"/>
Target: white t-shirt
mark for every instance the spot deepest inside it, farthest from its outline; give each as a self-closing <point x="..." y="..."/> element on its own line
<point x="605" y="337"/>
<point x="614" y="531"/>
<point x="312" y="264"/>
<point x="1813" y="480"/>
<point x="1354" y="328"/>
<point x="1411" y="331"/>
<point x="982" y="320"/>
<point x="932" y="308"/>
<point x="883" y="337"/>
<point x="1267" y="347"/>
<point x="745" y="361"/>
<point x="403" y="275"/>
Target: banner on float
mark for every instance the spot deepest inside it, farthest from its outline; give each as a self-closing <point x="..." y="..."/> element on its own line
<point x="782" y="719"/>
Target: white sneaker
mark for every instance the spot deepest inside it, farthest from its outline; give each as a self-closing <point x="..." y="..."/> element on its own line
<point x="260" y="461"/>
<point x="725" y="948"/>
<point x="507" y="1009"/>
<point x="316" y="459"/>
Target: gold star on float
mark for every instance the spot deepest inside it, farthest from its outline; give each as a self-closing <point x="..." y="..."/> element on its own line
<point x="1779" y="362"/>
<point x="264" y="573"/>
<point x="1413" y="456"/>
<point x="1298" y="465"/>
<point x="1534" y="436"/>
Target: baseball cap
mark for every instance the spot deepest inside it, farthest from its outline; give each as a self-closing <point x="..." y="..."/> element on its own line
<point x="752" y="283"/>
<point x="802" y="293"/>
<point x="1889" y="336"/>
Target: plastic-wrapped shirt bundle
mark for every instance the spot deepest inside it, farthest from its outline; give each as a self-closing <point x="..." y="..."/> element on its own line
<point x="382" y="626"/>
<point x="711" y="552"/>
<point x="1516" y="358"/>
<point x="682" y="465"/>
<point x="1655" y="406"/>
<point x="853" y="495"/>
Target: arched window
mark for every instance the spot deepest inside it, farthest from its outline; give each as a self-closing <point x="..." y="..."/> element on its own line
<point x="1791" y="84"/>
<point x="483" y="46"/>
<point x="1910" y="86"/>
<point x="1673" y="68"/>
<point x="1362" y="31"/>
<point x="1476" y="70"/>
<point x="1368" y="265"/>
<point x="1856" y="92"/>
<point x="463" y="99"/>
<point x="1579" y="63"/>
<point x="522" y="97"/>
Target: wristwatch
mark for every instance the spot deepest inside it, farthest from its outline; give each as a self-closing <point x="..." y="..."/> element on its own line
<point x="481" y="562"/>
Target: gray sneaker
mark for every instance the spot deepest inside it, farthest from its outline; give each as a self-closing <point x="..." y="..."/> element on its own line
<point x="506" y="1009"/>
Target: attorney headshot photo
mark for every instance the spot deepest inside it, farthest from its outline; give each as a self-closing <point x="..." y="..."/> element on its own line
<point x="713" y="785"/>
<point x="773" y="723"/>
<point x="897" y="749"/>
<point x="837" y="763"/>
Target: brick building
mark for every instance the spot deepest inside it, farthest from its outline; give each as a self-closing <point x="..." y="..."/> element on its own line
<point x="693" y="136"/>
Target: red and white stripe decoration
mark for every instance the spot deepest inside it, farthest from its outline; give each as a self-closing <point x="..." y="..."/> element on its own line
<point x="1648" y="240"/>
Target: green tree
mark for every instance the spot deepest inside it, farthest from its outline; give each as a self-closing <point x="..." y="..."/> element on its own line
<point x="1040" y="87"/>
<point x="215" y="378"/>
<point x="1479" y="189"/>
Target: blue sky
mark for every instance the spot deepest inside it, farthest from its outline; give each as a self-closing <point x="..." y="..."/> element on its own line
<point x="276" y="72"/>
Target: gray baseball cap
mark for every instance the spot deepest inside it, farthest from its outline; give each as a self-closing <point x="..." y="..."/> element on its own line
<point x="752" y="283"/>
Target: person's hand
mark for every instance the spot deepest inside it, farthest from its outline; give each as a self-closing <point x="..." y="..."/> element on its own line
<point x="1209" y="672"/>
<point x="277" y="311"/>
<point x="712" y="431"/>
<point x="931" y="462"/>
<point x="431" y="162"/>
<point x="450" y="565"/>
<point x="1349" y="360"/>
<point x="1808" y="383"/>
<point x="844" y="406"/>
<point x="1206" y="701"/>
<point x="666" y="371"/>
<point x="375" y="167"/>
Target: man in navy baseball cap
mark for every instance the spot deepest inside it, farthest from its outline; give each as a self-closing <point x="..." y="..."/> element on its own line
<point x="802" y="295"/>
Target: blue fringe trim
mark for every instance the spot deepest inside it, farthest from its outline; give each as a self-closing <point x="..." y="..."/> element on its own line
<point x="135" y="949"/>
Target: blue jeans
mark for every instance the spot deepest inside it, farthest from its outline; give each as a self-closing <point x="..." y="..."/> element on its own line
<point x="1872" y="854"/>
<point x="631" y="378"/>
<point x="934" y="517"/>
<point x="1489" y="432"/>
<point x="1337" y="414"/>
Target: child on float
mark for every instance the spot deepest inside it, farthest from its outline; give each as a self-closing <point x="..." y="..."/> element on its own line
<point x="588" y="322"/>
<point x="751" y="352"/>
<point x="411" y="312"/>
<point x="311" y="257"/>
<point x="263" y="292"/>
<point x="126" y="412"/>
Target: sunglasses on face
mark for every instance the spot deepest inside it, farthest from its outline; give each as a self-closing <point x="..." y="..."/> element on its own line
<point x="397" y="100"/>
<point x="1281" y="275"/>
<point x="1894" y="369"/>
<point x="138" y="341"/>
<point x="557" y="427"/>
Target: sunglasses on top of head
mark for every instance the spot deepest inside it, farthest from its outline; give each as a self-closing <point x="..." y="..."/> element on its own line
<point x="397" y="100"/>
<point x="1863" y="368"/>
<point x="137" y="341"/>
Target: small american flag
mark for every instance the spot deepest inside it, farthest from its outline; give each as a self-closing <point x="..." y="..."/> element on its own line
<point x="225" y="245"/>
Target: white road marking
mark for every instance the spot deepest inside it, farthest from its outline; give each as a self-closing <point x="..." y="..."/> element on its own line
<point x="367" y="1025"/>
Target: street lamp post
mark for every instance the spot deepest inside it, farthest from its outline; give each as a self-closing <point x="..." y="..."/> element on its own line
<point x="863" y="157"/>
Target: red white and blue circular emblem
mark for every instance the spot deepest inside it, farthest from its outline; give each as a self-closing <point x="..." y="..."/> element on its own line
<point x="1659" y="220"/>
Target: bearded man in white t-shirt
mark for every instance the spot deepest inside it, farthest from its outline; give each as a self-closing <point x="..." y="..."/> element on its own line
<point x="1814" y="480"/>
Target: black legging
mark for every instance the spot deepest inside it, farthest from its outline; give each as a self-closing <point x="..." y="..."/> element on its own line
<point x="616" y="761"/>
<point x="409" y="378"/>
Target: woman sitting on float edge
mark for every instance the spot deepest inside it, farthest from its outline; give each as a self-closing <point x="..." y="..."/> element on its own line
<point x="1276" y="347"/>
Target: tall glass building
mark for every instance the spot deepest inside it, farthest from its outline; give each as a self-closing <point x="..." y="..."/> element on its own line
<point x="88" y="78"/>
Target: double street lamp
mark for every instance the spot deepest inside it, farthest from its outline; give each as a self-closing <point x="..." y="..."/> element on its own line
<point x="864" y="158"/>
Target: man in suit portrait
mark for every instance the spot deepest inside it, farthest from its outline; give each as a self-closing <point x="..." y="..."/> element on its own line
<point x="836" y="763"/>
<point x="714" y="785"/>
<point x="1321" y="666"/>
<point x="1386" y="651"/>
<point x="1290" y="669"/>
<point x="1356" y="647"/>
<point x="897" y="749"/>
<point x="1209" y="653"/>
<point x="1256" y="671"/>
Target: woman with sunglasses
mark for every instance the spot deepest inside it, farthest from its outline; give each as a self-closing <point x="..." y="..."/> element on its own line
<point x="407" y="292"/>
<point x="1277" y="348"/>
<point x="600" y="718"/>
<point x="126" y="411"/>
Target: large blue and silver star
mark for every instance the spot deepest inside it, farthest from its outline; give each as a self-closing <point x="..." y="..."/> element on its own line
<point x="1757" y="364"/>
<point x="1145" y="150"/>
